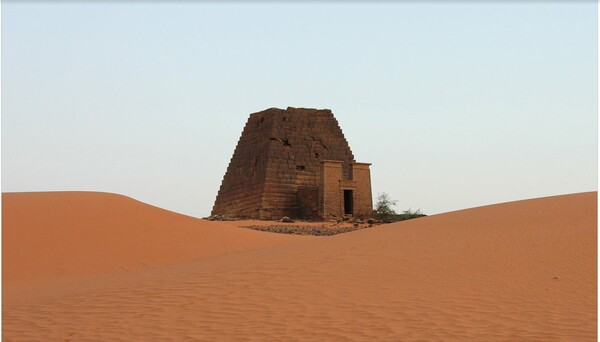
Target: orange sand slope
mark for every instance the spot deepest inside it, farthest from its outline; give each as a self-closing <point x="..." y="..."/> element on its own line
<point x="50" y="235"/>
<point x="519" y="271"/>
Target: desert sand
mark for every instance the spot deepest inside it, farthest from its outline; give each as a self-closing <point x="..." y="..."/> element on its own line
<point x="93" y="266"/>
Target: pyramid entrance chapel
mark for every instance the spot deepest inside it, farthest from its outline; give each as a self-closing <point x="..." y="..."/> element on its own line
<point x="296" y="163"/>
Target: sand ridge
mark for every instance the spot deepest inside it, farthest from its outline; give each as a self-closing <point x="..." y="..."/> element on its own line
<point x="522" y="270"/>
<point x="49" y="235"/>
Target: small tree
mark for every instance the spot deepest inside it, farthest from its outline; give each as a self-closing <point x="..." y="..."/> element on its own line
<point x="383" y="207"/>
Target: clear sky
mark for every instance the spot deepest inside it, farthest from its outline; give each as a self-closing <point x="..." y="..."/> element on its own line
<point x="456" y="104"/>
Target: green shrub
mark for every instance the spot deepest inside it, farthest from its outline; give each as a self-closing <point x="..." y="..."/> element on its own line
<point x="383" y="210"/>
<point x="408" y="214"/>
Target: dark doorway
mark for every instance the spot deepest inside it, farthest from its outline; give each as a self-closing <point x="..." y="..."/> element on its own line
<point x="348" y="202"/>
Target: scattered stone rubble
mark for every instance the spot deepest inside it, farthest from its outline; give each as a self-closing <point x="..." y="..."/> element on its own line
<point x="326" y="228"/>
<point x="222" y="218"/>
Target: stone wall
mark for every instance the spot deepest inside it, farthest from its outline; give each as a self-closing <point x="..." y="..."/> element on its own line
<point x="241" y="190"/>
<point x="330" y="198"/>
<point x="363" y="199"/>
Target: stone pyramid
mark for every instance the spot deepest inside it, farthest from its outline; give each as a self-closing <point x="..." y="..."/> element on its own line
<point x="280" y="164"/>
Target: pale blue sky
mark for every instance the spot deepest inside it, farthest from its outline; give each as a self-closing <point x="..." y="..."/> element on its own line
<point x="456" y="104"/>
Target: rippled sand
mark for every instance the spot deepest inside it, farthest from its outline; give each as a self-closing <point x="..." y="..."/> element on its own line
<point x="521" y="271"/>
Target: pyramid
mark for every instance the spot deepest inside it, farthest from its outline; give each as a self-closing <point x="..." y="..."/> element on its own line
<point x="296" y="163"/>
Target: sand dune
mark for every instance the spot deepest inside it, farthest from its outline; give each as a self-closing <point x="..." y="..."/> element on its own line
<point x="49" y="235"/>
<point x="519" y="271"/>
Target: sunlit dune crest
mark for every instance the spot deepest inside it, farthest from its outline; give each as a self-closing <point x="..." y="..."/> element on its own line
<point x="62" y="234"/>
